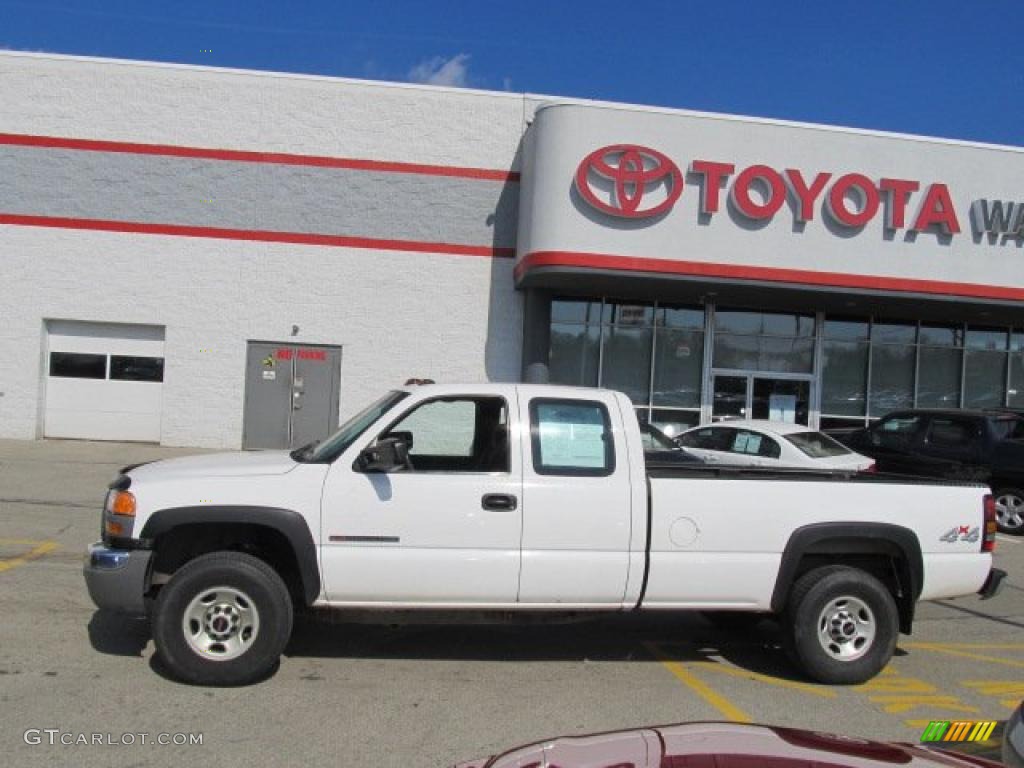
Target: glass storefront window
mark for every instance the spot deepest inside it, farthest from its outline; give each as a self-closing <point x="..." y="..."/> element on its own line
<point x="569" y="311"/>
<point x="844" y="377"/>
<point x="678" y="367"/>
<point x="1015" y="395"/>
<point x="626" y="362"/>
<point x="764" y="353"/>
<point x="985" y="368"/>
<point x="846" y="330"/>
<point x="574" y="354"/>
<point x="764" y="341"/>
<point x="892" y="378"/>
<point x="893" y="333"/>
<point x="939" y="372"/>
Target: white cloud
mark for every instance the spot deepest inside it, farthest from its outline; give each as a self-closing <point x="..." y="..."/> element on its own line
<point x="437" y="70"/>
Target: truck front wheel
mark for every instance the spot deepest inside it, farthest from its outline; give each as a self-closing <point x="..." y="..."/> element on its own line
<point x="223" y="619"/>
<point x="842" y="624"/>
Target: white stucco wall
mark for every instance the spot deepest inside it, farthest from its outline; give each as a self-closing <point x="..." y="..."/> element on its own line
<point x="396" y="314"/>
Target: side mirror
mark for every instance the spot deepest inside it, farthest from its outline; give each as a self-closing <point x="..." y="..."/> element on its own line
<point x="404" y="436"/>
<point x="389" y="454"/>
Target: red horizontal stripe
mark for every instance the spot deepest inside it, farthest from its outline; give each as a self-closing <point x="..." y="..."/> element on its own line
<point x="767" y="274"/>
<point x="243" y="156"/>
<point x="259" y="235"/>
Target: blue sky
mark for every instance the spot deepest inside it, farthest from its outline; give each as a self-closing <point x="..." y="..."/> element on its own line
<point x="942" y="68"/>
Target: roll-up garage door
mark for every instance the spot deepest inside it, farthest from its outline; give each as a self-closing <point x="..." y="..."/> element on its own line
<point x="104" y="381"/>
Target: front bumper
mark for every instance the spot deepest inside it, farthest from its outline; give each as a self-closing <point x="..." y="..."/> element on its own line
<point x="117" y="579"/>
<point x="992" y="584"/>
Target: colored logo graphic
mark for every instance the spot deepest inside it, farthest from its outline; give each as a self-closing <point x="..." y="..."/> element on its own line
<point x="958" y="730"/>
<point x="619" y="178"/>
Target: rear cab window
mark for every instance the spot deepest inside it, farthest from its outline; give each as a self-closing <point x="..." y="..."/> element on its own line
<point x="817" y="445"/>
<point x="571" y="437"/>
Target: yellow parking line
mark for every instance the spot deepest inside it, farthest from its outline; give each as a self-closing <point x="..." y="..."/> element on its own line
<point x="702" y="689"/>
<point x="743" y="674"/>
<point x="41" y="548"/>
<point x="951" y="651"/>
<point x="987" y="646"/>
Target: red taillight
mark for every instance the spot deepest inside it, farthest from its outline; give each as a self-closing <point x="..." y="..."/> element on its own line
<point x="988" y="540"/>
<point x="872" y="467"/>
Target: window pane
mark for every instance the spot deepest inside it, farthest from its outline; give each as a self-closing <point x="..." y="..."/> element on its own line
<point x="942" y="335"/>
<point x="441" y="428"/>
<point x="939" y="377"/>
<point x="681" y="318"/>
<point x="1016" y="398"/>
<point x="571" y="437"/>
<point x="574" y="354"/>
<point x="76" y="365"/>
<point x="571" y="311"/>
<point x="729" y="321"/>
<point x="770" y="323"/>
<point x="892" y="378"/>
<point x="986" y="339"/>
<point x="788" y="325"/>
<point x="985" y="379"/>
<point x="673" y="423"/>
<point x="903" y="333"/>
<point x="844" y="378"/>
<point x="764" y="353"/>
<point x="627" y="362"/>
<point x="124" y="368"/>
<point x="789" y="355"/>
<point x="846" y="330"/>
<point x="678" y="363"/>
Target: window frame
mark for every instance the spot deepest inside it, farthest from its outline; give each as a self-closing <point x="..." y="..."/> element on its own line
<point x="567" y="471"/>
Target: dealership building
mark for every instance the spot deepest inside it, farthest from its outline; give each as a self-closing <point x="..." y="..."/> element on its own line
<point x="223" y="258"/>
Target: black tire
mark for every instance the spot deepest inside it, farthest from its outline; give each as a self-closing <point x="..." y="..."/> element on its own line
<point x="258" y="583"/>
<point x="734" y="621"/>
<point x="810" y="596"/>
<point x="1016" y="528"/>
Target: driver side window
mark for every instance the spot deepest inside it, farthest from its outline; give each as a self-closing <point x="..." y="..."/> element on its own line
<point x="456" y="435"/>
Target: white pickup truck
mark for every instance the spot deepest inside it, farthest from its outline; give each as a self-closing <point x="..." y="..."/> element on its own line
<point x="523" y="498"/>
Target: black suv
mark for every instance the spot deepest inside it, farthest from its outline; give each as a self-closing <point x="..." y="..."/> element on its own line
<point x="983" y="446"/>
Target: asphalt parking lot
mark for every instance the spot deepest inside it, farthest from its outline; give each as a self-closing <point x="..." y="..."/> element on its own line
<point x="348" y="694"/>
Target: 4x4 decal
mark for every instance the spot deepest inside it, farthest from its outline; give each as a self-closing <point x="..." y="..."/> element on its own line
<point x="961" y="533"/>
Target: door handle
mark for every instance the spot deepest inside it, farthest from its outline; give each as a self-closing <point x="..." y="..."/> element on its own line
<point x="499" y="502"/>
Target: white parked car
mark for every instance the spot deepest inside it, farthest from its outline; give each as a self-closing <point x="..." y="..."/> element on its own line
<point x="770" y="444"/>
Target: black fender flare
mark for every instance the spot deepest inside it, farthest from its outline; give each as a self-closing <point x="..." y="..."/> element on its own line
<point x="287" y="522"/>
<point x="854" y="538"/>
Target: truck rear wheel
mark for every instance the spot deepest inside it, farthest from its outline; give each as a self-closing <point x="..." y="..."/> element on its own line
<point x="842" y="625"/>
<point x="1010" y="510"/>
<point x="223" y="619"/>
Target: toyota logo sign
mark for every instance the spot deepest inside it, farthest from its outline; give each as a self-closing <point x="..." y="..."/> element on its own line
<point x="620" y="178"/>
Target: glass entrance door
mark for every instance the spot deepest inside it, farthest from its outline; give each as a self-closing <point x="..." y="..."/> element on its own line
<point x="786" y="400"/>
<point x="730" y="398"/>
<point x="752" y="396"/>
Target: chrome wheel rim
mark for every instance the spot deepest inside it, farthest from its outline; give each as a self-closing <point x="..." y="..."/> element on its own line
<point x="846" y="628"/>
<point x="1010" y="511"/>
<point x="221" y="623"/>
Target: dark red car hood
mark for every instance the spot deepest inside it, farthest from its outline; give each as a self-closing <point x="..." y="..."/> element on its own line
<point x="721" y="745"/>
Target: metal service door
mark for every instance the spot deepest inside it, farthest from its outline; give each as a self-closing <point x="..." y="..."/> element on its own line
<point x="291" y="394"/>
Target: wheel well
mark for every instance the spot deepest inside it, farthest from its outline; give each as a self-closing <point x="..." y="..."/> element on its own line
<point x="185" y="542"/>
<point x="890" y="568"/>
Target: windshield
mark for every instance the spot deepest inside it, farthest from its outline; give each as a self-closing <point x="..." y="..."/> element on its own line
<point x="349" y="432"/>
<point x="817" y="445"/>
